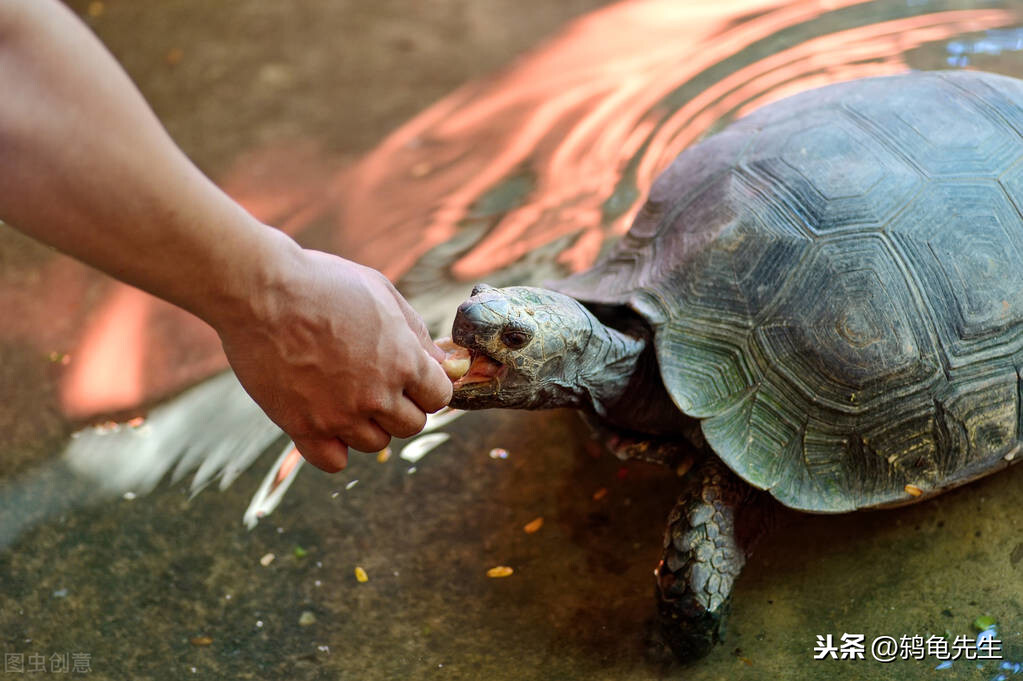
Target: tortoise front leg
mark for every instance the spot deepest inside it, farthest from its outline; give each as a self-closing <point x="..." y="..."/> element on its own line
<point x="711" y="531"/>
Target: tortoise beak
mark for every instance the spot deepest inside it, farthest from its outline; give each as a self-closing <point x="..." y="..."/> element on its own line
<point x="478" y="323"/>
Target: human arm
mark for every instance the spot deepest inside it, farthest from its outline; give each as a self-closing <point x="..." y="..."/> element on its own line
<point x="328" y="348"/>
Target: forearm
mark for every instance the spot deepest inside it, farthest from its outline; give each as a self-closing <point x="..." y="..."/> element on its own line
<point x="86" y="167"/>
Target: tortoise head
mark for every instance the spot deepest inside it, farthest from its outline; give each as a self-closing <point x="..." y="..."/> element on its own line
<point x="531" y="348"/>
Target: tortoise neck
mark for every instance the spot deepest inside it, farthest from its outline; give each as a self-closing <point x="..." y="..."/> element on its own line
<point x="641" y="402"/>
<point x="618" y="372"/>
<point x="624" y="384"/>
<point x="611" y="361"/>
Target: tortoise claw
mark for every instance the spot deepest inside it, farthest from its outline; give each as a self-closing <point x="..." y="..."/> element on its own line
<point x="690" y="630"/>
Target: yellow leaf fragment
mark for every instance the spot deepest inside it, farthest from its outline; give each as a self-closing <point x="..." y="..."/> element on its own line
<point x="360" y="575"/>
<point x="500" y="571"/>
<point x="533" y="525"/>
<point x="384" y="454"/>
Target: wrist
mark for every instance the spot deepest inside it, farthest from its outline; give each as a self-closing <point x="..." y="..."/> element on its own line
<point x="251" y="279"/>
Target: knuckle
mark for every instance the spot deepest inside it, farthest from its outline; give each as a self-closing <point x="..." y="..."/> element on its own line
<point x="376" y="403"/>
<point x="320" y="423"/>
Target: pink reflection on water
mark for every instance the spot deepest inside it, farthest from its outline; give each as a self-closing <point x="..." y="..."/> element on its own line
<point x="132" y="348"/>
<point x="107" y="375"/>
<point x="576" y="112"/>
<point x="574" y="116"/>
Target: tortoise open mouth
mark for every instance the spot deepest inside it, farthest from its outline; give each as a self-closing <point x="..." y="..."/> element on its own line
<point x="469" y="366"/>
<point x="482" y="369"/>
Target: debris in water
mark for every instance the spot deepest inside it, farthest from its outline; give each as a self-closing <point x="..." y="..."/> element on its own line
<point x="106" y="427"/>
<point x="129" y="496"/>
<point x="274" y="485"/>
<point x="352" y="484"/>
<point x="360" y="575"/>
<point x="500" y="571"/>
<point x="945" y="665"/>
<point x="201" y="641"/>
<point x="289" y="463"/>
<point x="441" y="418"/>
<point x="267" y="559"/>
<point x="300" y="552"/>
<point x="533" y="525"/>
<point x="95" y="9"/>
<point x="422" y="445"/>
<point x="983" y="622"/>
<point x="306" y="618"/>
<point x="384" y="454"/>
<point x="498" y="453"/>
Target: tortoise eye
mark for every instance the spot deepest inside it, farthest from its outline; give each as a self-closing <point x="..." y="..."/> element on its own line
<point x="515" y="338"/>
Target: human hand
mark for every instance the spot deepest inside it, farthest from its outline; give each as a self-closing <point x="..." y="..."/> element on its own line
<point x="336" y="357"/>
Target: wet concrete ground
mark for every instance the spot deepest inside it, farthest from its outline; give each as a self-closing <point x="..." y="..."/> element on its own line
<point x="167" y="587"/>
<point x="135" y="582"/>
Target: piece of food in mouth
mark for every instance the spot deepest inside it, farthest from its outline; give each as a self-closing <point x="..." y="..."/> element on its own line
<point x="458" y="360"/>
<point x="465" y="366"/>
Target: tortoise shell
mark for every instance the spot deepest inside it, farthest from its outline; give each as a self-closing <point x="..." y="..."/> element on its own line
<point x="835" y="287"/>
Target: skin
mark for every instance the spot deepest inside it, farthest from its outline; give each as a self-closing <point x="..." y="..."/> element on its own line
<point x="328" y="348"/>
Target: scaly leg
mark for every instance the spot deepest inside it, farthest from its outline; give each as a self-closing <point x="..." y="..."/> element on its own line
<point x="711" y="531"/>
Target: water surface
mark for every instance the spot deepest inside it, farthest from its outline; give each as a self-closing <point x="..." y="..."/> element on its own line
<point x="518" y="173"/>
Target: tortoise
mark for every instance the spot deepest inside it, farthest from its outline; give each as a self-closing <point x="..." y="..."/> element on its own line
<point x="820" y="305"/>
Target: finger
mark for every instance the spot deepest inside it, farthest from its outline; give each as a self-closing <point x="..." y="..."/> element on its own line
<point x="431" y="388"/>
<point x="404" y="420"/>
<point x="328" y="454"/>
<point x="367" y="437"/>
<point x="418" y="327"/>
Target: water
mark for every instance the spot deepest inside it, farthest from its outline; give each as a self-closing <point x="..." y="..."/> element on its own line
<point x="518" y="176"/>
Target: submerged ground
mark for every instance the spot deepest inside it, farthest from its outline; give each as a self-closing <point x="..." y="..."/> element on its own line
<point x="166" y="586"/>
